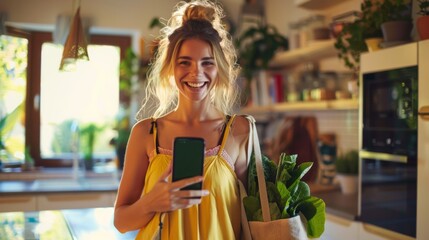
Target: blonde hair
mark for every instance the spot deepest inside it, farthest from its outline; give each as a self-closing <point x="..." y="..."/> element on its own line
<point x="196" y="19"/>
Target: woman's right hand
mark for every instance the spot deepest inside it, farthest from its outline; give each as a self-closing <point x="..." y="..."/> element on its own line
<point x="166" y="196"/>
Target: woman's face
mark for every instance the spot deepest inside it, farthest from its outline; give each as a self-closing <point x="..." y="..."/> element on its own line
<point x="195" y="69"/>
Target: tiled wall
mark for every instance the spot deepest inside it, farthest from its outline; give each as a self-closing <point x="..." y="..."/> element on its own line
<point x="343" y="123"/>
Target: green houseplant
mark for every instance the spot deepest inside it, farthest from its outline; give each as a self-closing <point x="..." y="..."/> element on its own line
<point x="350" y="42"/>
<point x="7" y="122"/>
<point x="423" y="19"/>
<point x="396" y="20"/>
<point x="128" y="69"/>
<point x="88" y="136"/>
<point x="347" y="168"/>
<point x="257" y="46"/>
<point x="288" y="195"/>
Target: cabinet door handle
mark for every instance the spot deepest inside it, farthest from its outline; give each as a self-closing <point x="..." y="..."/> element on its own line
<point x="424" y="112"/>
<point x="383" y="156"/>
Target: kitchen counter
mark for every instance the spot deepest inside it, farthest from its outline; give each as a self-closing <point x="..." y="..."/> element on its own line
<point x="82" y="224"/>
<point x="62" y="185"/>
<point x="337" y="203"/>
<point x="90" y="190"/>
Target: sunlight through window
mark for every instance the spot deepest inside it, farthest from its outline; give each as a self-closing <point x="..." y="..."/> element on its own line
<point x="88" y="96"/>
<point x="13" y="87"/>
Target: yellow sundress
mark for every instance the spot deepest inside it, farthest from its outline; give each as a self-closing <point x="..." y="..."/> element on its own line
<point x="218" y="215"/>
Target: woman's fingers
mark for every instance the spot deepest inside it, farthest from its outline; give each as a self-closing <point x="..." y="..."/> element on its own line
<point x="190" y="194"/>
<point x="185" y="203"/>
<point x="177" y="185"/>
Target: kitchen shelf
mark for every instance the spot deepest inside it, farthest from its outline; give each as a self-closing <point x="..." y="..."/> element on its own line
<point x="316" y="50"/>
<point x="317" y="4"/>
<point x="324" y="105"/>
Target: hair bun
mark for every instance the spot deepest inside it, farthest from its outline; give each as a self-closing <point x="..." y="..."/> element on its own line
<point x="196" y="12"/>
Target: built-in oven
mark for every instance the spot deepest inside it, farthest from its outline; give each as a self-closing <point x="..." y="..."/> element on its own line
<point x="388" y="140"/>
<point x="389" y="149"/>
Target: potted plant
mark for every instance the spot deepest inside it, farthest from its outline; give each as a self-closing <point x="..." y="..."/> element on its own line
<point x="347" y="168"/>
<point x="257" y="46"/>
<point x="423" y="19"/>
<point x="288" y="195"/>
<point x="396" y="21"/>
<point x="128" y="69"/>
<point x="360" y="35"/>
<point x="88" y="136"/>
<point x="123" y="129"/>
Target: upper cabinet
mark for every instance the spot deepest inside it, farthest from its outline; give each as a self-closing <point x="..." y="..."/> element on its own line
<point x="317" y="4"/>
<point x="316" y="50"/>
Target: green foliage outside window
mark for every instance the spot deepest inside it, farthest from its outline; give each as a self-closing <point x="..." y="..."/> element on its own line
<point x="13" y="81"/>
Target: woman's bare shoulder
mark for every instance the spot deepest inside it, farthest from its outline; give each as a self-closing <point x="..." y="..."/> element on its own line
<point x="241" y="125"/>
<point x="143" y="127"/>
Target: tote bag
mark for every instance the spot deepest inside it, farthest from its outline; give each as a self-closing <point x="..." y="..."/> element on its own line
<point x="281" y="229"/>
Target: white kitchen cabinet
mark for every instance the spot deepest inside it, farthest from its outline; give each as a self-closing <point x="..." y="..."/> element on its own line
<point x="18" y="203"/>
<point x="423" y="144"/>
<point x="56" y="201"/>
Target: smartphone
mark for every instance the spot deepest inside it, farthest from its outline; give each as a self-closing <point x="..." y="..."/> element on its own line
<point x="188" y="159"/>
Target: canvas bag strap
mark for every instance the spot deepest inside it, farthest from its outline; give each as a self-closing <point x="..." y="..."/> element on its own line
<point x="263" y="196"/>
<point x="244" y="223"/>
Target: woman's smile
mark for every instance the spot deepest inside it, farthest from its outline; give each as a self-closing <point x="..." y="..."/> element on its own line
<point x="195" y="84"/>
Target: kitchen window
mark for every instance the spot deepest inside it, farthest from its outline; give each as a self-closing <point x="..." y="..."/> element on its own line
<point x="13" y="82"/>
<point x="58" y="102"/>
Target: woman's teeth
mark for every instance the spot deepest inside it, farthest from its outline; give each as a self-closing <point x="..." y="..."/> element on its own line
<point x="195" y="85"/>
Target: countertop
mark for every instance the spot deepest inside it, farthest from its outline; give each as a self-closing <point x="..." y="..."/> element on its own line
<point x="337" y="203"/>
<point x="41" y="186"/>
<point x="57" y="181"/>
<point x="82" y="224"/>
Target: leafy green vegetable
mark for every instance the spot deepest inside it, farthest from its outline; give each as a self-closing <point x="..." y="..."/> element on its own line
<point x="288" y="196"/>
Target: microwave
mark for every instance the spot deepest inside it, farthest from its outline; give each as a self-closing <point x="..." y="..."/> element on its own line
<point x="390" y="102"/>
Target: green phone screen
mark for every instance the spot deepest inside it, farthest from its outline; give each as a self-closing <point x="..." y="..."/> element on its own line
<point x="188" y="159"/>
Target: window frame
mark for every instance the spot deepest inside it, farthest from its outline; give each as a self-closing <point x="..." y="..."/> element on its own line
<point x="32" y="113"/>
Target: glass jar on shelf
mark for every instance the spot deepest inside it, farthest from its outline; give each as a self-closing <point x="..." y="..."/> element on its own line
<point x="303" y="32"/>
<point x="294" y="28"/>
<point x="317" y="29"/>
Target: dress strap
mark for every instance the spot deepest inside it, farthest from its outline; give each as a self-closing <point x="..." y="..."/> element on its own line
<point x="154" y="132"/>
<point x="226" y="133"/>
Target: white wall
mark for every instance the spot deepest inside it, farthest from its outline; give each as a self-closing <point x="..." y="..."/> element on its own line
<point x="108" y="16"/>
<point x="135" y="15"/>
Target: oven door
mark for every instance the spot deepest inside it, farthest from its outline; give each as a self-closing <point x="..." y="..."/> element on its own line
<point x="389" y="191"/>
